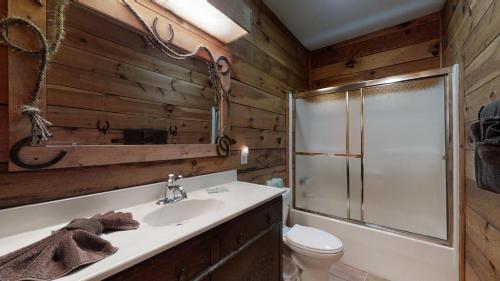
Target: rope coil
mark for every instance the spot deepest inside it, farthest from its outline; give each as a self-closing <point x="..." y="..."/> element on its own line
<point x="39" y="125"/>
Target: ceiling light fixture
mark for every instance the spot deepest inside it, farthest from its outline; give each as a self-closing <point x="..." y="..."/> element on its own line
<point x="206" y="17"/>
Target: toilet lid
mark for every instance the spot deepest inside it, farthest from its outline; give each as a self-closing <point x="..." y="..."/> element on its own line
<point x="314" y="240"/>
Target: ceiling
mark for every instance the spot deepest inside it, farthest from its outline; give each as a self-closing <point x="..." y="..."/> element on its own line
<point x="319" y="23"/>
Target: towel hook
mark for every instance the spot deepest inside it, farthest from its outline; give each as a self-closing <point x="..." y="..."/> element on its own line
<point x="104" y="128"/>
<point x="173" y="131"/>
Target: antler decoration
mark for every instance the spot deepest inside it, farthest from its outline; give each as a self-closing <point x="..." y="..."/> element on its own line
<point x="217" y="69"/>
<point x="39" y="126"/>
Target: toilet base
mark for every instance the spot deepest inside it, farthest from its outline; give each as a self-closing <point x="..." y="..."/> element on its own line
<point x="315" y="275"/>
<point x="313" y="269"/>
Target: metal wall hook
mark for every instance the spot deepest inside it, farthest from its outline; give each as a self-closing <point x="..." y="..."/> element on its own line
<point x="173" y="131"/>
<point x="16" y="149"/>
<point x="104" y="128"/>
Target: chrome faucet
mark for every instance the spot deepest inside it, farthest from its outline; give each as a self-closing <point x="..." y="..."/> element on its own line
<point x="178" y="192"/>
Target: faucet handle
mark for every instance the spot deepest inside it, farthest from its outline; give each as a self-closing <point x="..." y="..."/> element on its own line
<point x="172" y="178"/>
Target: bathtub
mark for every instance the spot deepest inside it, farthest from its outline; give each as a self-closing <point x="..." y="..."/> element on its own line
<point x="388" y="255"/>
<point x="392" y="255"/>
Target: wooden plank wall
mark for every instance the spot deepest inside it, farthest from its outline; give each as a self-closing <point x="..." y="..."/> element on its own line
<point x="4" y="93"/>
<point x="409" y="47"/>
<point x="103" y="63"/>
<point x="471" y="38"/>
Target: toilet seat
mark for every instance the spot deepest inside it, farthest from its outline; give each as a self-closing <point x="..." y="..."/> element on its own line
<point x="286" y="229"/>
<point x="313" y="241"/>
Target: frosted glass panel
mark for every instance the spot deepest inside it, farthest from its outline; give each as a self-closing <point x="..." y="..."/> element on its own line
<point x="404" y="166"/>
<point x="321" y="184"/>
<point x="355" y="188"/>
<point x="355" y="122"/>
<point x="320" y="124"/>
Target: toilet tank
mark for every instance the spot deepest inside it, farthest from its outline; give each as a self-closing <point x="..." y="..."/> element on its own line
<point x="287" y="196"/>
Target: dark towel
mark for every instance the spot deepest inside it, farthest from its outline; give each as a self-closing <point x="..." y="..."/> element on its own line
<point x="144" y="136"/>
<point x="151" y="136"/>
<point x="485" y="133"/>
<point x="71" y="247"/>
<point x="132" y="136"/>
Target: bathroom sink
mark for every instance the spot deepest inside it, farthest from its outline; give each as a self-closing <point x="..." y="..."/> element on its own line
<point x="181" y="212"/>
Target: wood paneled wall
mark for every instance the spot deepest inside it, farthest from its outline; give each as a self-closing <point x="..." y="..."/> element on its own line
<point x="471" y="38"/>
<point x="4" y="93"/>
<point x="101" y="56"/>
<point x="405" y="48"/>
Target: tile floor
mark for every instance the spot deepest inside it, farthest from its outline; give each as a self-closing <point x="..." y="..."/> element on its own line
<point x="343" y="272"/>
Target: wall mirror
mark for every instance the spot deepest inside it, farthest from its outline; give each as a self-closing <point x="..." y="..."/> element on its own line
<point x="114" y="96"/>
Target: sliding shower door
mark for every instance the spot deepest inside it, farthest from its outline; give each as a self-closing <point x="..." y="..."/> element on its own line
<point x="405" y="156"/>
<point x="376" y="154"/>
<point x="319" y="135"/>
<point x="322" y="184"/>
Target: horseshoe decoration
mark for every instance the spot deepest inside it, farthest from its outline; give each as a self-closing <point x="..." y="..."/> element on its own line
<point x="224" y="65"/>
<point x="223" y="146"/>
<point x="104" y="128"/>
<point x="14" y="156"/>
<point x="173" y="131"/>
<point x="170" y="29"/>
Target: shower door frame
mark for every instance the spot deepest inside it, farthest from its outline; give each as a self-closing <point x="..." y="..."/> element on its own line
<point x="446" y="73"/>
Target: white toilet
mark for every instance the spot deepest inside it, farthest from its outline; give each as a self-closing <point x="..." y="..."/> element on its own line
<point x="313" y="250"/>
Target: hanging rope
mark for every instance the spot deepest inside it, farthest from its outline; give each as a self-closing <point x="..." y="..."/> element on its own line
<point x="39" y="126"/>
<point x="166" y="48"/>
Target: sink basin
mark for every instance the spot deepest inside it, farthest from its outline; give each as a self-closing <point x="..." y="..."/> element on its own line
<point x="181" y="212"/>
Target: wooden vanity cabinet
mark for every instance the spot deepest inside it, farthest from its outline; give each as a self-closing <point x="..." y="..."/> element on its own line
<point x="254" y="236"/>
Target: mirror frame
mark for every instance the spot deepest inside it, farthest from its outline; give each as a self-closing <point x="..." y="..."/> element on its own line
<point x="48" y="156"/>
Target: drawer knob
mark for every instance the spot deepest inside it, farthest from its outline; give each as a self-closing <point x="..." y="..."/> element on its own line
<point x="240" y="238"/>
<point x="268" y="219"/>
<point x="181" y="274"/>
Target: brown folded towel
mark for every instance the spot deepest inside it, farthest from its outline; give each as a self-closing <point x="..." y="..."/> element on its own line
<point x="73" y="246"/>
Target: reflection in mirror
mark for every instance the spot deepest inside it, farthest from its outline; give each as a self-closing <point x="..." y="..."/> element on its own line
<point x="105" y="86"/>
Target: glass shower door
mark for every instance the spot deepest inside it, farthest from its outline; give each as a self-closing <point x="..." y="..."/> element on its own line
<point x="320" y="176"/>
<point x="405" y="157"/>
<point x="376" y="155"/>
<point x="321" y="184"/>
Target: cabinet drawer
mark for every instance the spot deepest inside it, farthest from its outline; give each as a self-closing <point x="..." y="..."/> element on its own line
<point x="261" y="261"/>
<point x="237" y="232"/>
<point x="180" y="263"/>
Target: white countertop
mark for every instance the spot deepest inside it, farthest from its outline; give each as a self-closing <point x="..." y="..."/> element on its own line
<point x="147" y="241"/>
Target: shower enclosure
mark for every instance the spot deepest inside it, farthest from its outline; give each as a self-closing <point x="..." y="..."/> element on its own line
<point x="378" y="153"/>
